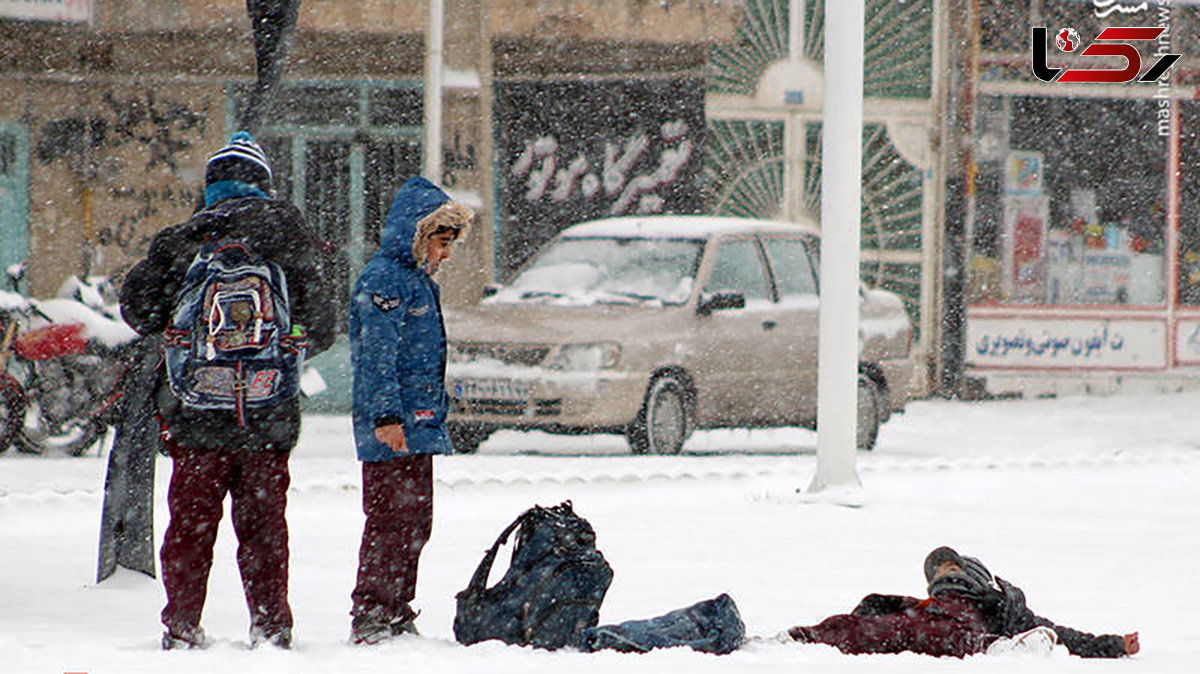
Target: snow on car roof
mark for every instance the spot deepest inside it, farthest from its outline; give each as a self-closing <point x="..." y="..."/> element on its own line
<point x="681" y="227"/>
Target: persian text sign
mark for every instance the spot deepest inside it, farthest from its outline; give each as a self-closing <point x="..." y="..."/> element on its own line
<point x="1066" y="343"/>
<point x="47" y="10"/>
<point x="576" y="150"/>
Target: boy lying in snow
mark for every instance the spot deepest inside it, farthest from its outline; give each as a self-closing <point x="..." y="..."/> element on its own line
<point x="967" y="610"/>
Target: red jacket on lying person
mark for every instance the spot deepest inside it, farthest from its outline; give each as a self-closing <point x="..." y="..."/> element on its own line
<point x="966" y="611"/>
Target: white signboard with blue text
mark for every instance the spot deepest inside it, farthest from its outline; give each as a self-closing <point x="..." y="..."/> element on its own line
<point x="72" y="11"/>
<point x="1025" y="342"/>
<point x="1187" y="344"/>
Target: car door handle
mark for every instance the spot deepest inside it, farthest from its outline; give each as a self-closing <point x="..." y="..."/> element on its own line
<point x="769" y="324"/>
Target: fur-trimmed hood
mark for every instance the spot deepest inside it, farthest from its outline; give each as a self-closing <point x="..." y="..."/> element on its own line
<point x="419" y="209"/>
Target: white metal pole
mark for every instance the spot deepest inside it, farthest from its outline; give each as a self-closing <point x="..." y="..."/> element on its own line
<point x="841" y="194"/>
<point x="432" y="160"/>
<point x="796" y="30"/>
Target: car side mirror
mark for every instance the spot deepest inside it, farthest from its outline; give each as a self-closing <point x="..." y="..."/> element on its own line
<point x="723" y="299"/>
<point x="491" y="289"/>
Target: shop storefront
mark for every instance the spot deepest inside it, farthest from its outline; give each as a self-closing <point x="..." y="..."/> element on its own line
<point x="1084" y="258"/>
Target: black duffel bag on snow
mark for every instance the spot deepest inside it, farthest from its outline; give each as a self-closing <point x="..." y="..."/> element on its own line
<point x="552" y="590"/>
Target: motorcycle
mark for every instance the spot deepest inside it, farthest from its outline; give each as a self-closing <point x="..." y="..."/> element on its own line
<point x="61" y="363"/>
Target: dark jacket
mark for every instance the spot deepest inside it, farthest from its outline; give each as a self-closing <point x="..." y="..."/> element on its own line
<point x="951" y="623"/>
<point x="397" y="338"/>
<point x="1011" y="616"/>
<point x="274" y="229"/>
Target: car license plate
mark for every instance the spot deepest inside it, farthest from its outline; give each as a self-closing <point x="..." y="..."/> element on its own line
<point x="492" y="389"/>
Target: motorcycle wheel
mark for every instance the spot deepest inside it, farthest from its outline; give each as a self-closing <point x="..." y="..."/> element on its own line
<point x="75" y="437"/>
<point x="12" y="414"/>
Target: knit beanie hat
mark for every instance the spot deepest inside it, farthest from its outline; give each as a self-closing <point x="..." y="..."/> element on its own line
<point x="239" y="169"/>
<point x="940" y="556"/>
<point x="974" y="580"/>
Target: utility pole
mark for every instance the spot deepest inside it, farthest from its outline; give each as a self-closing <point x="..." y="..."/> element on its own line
<point x="431" y="161"/>
<point x="841" y="213"/>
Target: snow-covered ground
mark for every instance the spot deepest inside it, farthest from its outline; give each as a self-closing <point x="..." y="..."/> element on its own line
<point x="1090" y="504"/>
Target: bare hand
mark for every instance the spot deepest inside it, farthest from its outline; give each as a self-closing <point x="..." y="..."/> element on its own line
<point x="1131" y="643"/>
<point x="392" y="435"/>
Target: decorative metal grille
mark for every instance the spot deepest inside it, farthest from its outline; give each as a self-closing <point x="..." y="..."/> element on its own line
<point x="744" y="165"/>
<point x="898" y="62"/>
<point x="762" y="39"/>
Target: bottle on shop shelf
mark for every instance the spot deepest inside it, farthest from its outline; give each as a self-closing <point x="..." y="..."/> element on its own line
<point x="1112" y="237"/>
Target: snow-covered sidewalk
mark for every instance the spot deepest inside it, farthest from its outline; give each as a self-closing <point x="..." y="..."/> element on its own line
<point x="1089" y="504"/>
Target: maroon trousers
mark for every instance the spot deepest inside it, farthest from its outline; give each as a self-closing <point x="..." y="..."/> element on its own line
<point x="398" y="503"/>
<point x="257" y="482"/>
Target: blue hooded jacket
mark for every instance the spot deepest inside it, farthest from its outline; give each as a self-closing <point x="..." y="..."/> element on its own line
<point x="397" y="338"/>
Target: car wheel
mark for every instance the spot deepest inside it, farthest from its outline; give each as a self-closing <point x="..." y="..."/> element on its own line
<point x="662" y="425"/>
<point x="868" y="413"/>
<point x="466" y="438"/>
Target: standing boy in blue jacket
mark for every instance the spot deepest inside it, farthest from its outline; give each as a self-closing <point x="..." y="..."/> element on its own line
<point x="398" y="353"/>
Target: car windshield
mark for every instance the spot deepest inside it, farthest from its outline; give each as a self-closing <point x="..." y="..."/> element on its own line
<point x="608" y="270"/>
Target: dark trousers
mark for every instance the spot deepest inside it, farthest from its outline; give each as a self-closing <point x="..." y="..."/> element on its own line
<point x="398" y="503"/>
<point x="257" y="482"/>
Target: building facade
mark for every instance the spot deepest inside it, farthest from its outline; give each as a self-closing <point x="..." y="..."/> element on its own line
<point x="111" y="108"/>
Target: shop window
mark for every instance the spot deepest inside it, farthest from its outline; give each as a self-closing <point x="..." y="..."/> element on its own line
<point x="388" y="164"/>
<point x="1189" y="204"/>
<point x="1072" y="211"/>
<point x="319" y="106"/>
<point x="1004" y="26"/>
<point x="1185" y="29"/>
<point x="327" y="207"/>
<point x="389" y="106"/>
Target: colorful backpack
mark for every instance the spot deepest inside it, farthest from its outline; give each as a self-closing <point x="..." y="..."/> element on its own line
<point x="231" y="344"/>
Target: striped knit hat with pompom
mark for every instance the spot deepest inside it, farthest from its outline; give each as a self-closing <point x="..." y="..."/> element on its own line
<point x="240" y="169"/>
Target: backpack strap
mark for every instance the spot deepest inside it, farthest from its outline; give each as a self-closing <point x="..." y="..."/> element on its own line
<point x="479" y="579"/>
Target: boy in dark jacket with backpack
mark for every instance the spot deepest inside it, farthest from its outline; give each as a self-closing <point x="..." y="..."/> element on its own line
<point x="967" y="610"/>
<point x="398" y="355"/>
<point x="237" y="444"/>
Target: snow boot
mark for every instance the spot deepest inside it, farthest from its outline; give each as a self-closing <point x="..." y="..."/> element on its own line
<point x="405" y="625"/>
<point x="281" y="639"/>
<point x="370" y="629"/>
<point x="184" y="639"/>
